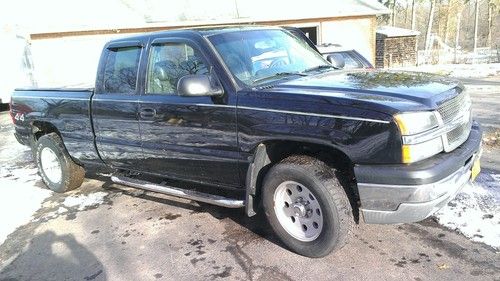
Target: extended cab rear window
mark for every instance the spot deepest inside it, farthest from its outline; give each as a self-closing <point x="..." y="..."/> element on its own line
<point x="120" y="70"/>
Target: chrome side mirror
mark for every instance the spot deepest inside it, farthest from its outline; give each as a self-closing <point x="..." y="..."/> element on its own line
<point x="336" y="60"/>
<point x="197" y="85"/>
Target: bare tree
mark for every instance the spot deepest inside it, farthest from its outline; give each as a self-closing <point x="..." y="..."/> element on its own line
<point x="446" y="22"/>
<point x="493" y="8"/>
<point x="406" y="13"/>
<point x="393" y="13"/>
<point x="429" y="26"/>
<point x="457" y="36"/>
<point x="413" y="15"/>
<point x="476" y="21"/>
<point x="488" y="43"/>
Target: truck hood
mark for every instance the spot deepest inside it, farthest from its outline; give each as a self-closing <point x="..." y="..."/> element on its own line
<point x="390" y="90"/>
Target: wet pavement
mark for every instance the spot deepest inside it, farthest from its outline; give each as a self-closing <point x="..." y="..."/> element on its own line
<point x="136" y="235"/>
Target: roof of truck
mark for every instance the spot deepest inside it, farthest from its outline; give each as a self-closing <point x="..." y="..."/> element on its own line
<point x="201" y="31"/>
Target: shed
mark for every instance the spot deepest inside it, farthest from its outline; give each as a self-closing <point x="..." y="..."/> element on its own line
<point x="396" y="47"/>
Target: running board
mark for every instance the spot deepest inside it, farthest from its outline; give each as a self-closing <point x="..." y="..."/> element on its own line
<point x="182" y="193"/>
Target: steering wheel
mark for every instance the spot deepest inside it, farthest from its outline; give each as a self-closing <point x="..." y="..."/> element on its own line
<point x="278" y="62"/>
<point x="237" y="66"/>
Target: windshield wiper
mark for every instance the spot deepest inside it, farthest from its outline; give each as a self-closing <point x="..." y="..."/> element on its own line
<point x="319" y="67"/>
<point x="277" y="75"/>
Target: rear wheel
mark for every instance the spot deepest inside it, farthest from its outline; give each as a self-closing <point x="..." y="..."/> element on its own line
<point x="307" y="207"/>
<point x="58" y="171"/>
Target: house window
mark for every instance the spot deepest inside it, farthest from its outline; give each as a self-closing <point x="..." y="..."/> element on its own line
<point x="311" y="33"/>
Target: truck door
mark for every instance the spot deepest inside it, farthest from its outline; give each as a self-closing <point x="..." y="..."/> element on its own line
<point x="192" y="138"/>
<point x="115" y="106"/>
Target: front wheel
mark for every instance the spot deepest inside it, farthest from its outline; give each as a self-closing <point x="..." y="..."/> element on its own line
<point x="307" y="207"/>
<point x="59" y="172"/>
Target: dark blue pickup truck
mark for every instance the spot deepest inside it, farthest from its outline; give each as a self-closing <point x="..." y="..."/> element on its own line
<point x="264" y="123"/>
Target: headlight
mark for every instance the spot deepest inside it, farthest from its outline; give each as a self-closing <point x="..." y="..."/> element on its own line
<point x="417" y="143"/>
<point x="411" y="123"/>
<point x="416" y="152"/>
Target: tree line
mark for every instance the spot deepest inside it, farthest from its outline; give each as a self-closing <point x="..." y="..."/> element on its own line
<point x="458" y="24"/>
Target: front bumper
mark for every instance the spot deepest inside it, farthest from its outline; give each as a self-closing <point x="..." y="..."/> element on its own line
<point x="410" y="193"/>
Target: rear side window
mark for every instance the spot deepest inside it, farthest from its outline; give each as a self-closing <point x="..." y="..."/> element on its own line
<point x="168" y="63"/>
<point x="120" y="70"/>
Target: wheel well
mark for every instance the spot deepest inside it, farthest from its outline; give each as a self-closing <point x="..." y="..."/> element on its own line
<point x="40" y="128"/>
<point x="279" y="150"/>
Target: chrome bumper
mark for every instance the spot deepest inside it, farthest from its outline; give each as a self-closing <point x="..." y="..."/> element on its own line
<point x="401" y="193"/>
<point x="413" y="210"/>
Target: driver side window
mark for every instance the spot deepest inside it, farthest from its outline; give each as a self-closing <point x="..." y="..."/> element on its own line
<point x="169" y="62"/>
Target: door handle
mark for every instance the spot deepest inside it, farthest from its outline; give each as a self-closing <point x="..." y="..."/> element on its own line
<point x="147" y="113"/>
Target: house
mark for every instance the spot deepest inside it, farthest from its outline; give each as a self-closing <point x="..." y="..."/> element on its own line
<point x="67" y="36"/>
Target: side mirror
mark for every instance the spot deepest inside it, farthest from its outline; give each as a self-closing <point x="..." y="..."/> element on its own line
<point x="197" y="85"/>
<point x="336" y="60"/>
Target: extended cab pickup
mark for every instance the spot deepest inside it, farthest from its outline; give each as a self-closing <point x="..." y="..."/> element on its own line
<point x="262" y="122"/>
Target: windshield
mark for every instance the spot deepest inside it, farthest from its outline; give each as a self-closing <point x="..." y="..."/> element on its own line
<point x="258" y="56"/>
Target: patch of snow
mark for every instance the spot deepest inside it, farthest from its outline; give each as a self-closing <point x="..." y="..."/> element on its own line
<point x="20" y="197"/>
<point x="19" y="200"/>
<point x="61" y="210"/>
<point x="12" y="153"/>
<point x="52" y="215"/>
<point x="392" y="31"/>
<point x="475" y="212"/>
<point x="458" y="70"/>
<point x="28" y="173"/>
<point x="81" y="202"/>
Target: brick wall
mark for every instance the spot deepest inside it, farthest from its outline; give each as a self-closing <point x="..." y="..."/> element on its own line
<point x="395" y="51"/>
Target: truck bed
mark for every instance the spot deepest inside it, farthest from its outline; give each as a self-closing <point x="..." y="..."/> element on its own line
<point x="68" y="109"/>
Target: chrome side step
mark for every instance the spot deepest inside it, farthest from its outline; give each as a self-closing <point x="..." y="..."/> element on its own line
<point x="182" y="193"/>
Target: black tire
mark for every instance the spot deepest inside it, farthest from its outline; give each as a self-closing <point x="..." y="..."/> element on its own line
<point x="320" y="179"/>
<point x="72" y="174"/>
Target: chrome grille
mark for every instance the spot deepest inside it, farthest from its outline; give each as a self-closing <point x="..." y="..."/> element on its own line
<point x="456" y="111"/>
<point x="458" y="135"/>
<point x="451" y="108"/>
